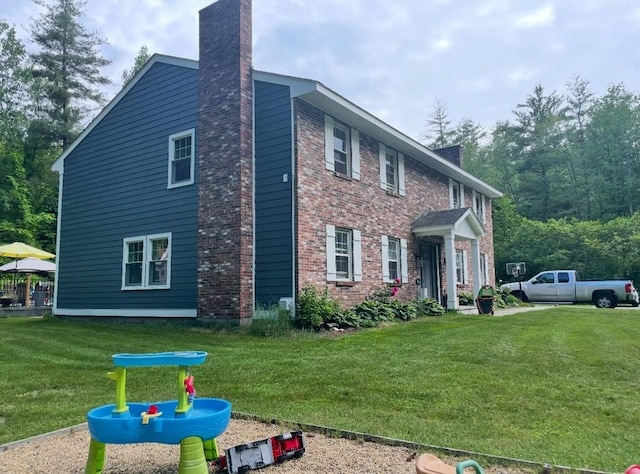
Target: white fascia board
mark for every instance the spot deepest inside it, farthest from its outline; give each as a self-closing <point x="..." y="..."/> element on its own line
<point x="334" y="104"/>
<point x="472" y="220"/>
<point x="156" y="58"/>
<point x="131" y="313"/>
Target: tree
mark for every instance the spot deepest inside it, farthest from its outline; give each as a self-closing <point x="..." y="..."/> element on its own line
<point x="580" y="101"/>
<point x="69" y="66"/>
<point x="612" y="152"/>
<point x="14" y="75"/>
<point x="438" y="131"/>
<point x="138" y="63"/>
<point x="540" y="140"/>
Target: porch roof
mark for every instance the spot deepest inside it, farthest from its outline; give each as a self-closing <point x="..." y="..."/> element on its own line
<point x="462" y="223"/>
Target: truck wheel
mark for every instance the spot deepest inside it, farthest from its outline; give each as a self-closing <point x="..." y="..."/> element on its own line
<point x="604" y="300"/>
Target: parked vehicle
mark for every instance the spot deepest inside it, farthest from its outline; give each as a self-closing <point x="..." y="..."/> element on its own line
<point x="564" y="286"/>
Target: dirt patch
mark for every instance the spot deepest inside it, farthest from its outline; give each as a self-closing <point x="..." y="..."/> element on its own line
<point x="67" y="453"/>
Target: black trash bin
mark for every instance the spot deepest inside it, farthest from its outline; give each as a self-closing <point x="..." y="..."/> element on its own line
<point x="484" y="301"/>
<point x="38" y="297"/>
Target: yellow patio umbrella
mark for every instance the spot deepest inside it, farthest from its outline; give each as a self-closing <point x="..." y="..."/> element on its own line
<point x="21" y="250"/>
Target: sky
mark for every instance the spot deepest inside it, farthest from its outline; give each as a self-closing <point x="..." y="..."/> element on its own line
<point x="396" y="58"/>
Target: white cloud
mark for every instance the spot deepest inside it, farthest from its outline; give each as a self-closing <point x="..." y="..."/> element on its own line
<point x="542" y="17"/>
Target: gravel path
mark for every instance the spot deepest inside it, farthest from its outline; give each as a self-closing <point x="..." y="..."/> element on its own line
<point x="67" y="453"/>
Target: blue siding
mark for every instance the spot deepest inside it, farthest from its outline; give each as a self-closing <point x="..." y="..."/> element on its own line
<point x="115" y="186"/>
<point x="273" y="197"/>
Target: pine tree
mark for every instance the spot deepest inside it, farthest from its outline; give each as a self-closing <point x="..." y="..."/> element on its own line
<point x="68" y="66"/>
<point x="138" y="63"/>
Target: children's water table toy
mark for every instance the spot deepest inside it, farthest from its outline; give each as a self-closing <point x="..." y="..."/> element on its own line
<point x="192" y="422"/>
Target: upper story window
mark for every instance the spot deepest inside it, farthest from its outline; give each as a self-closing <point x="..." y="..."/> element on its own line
<point x="456" y="194"/>
<point x="146" y="262"/>
<point x="394" y="260"/>
<point x="181" y="158"/>
<point x="478" y="206"/>
<point x="344" y="254"/>
<point x="342" y="148"/>
<point x="391" y="170"/>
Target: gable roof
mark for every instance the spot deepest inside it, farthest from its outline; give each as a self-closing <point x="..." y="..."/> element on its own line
<point x="320" y="96"/>
<point x="58" y="165"/>
<point x="462" y="222"/>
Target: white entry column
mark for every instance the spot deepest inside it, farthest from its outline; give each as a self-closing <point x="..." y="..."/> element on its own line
<point x="450" y="257"/>
<point x="475" y="264"/>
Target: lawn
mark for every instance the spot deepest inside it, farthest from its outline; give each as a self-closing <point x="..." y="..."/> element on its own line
<point x="558" y="386"/>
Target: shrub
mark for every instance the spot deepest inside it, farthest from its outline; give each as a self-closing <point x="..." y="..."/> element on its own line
<point x="429" y="307"/>
<point x="505" y="299"/>
<point x="466" y="299"/>
<point x="314" y="309"/>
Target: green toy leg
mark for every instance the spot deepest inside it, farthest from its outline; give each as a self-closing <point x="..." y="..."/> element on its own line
<point x="192" y="460"/>
<point x="211" y="452"/>
<point x="95" y="461"/>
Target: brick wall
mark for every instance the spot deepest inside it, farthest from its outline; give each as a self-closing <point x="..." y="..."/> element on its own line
<point x="323" y="198"/>
<point x="225" y="168"/>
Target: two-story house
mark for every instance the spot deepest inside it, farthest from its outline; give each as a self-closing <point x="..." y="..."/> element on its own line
<point x="206" y="189"/>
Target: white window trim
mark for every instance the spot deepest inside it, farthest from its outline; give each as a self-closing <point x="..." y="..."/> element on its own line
<point x="147" y="248"/>
<point x="353" y="151"/>
<point x="404" y="269"/>
<point x="172" y="138"/>
<point x="453" y="185"/>
<point x="481" y="211"/>
<point x="356" y="255"/>
<point x="463" y="271"/>
<point x="383" y="169"/>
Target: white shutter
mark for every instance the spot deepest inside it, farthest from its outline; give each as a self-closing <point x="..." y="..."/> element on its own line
<point x="357" y="255"/>
<point x="383" y="166"/>
<point x="329" y="158"/>
<point x="461" y="186"/>
<point x="385" y="259"/>
<point x="401" y="188"/>
<point x="403" y="261"/>
<point x="331" y="253"/>
<point x="484" y="210"/>
<point x="450" y="193"/>
<point x="464" y="267"/>
<point x="473" y="204"/>
<point x="355" y="154"/>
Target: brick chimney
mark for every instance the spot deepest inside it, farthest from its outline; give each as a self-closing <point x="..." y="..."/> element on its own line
<point x="452" y="154"/>
<point x="225" y="163"/>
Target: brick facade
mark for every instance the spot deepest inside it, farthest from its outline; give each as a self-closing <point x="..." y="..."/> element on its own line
<point x="324" y="198"/>
<point x="225" y="163"/>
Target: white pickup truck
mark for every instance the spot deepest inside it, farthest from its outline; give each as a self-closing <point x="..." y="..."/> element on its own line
<point x="564" y="286"/>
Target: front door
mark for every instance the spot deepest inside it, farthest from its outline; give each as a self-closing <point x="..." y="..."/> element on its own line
<point x="429" y="281"/>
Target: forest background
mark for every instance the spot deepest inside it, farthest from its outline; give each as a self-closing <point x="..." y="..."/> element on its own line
<point x="568" y="162"/>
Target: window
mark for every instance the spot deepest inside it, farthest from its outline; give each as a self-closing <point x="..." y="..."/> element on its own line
<point x="484" y="270"/>
<point x="146" y="262"/>
<point x="342" y="148"/>
<point x="478" y="206"/>
<point x="344" y="254"/>
<point x="461" y="267"/>
<point x="546" y="278"/>
<point x="391" y="171"/>
<point x="391" y="168"/>
<point x="456" y="194"/>
<point x="394" y="260"/>
<point x="563" y="277"/>
<point x="181" y="158"/>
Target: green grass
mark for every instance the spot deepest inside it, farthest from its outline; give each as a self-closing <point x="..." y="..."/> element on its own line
<point x="559" y="386"/>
